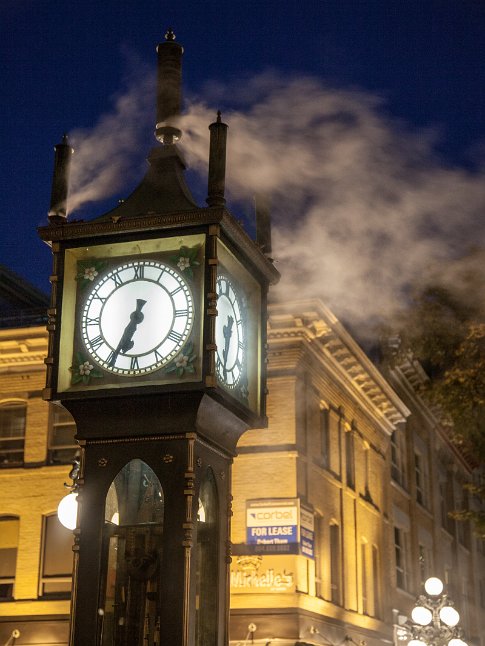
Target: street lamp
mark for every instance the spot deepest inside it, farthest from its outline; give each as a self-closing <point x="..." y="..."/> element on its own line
<point x="434" y="618"/>
<point x="67" y="508"/>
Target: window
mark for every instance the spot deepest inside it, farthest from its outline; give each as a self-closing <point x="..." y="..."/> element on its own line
<point x="335" y="565"/>
<point x="364" y="581"/>
<point x="425" y="567"/>
<point x="12" y="433"/>
<point x="349" y="458"/>
<point x="401" y="552"/>
<point x="324" y="435"/>
<point x="132" y="553"/>
<point x="446" y="500"/>
<point x="375" y="581"/>
<point x="62" y="445"/>
<point x="207" y="573"/>
<point x="319" y="568"/>
<point x="421" y="470"/>
<point x="398" y="457"/>
<point x="9" y="536"/>
<point x="56" y="568"/>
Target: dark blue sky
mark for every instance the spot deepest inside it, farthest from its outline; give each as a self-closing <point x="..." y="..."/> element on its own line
<point x="63" y="60"/>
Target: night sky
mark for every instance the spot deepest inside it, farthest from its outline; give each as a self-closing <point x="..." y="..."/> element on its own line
<point x="419" y="64"/>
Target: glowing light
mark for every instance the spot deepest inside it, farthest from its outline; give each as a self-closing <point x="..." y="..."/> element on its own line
<point x="418" y="642"/>
<point x="67" y="511"/>
<point x="457" y="642"/>
<point x="433" y="586"/>
<point x="115" y="518"/>
<point x="421" y="615"/>
<point x="449" y="616"/>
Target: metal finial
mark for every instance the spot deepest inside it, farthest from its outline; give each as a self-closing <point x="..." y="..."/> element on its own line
<point x="65" y="139"/>
<point x="169" y="34"/>
<point x="219" y="116"/>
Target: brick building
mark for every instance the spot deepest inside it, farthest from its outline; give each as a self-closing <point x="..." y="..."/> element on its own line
<point x="353" y="457"/>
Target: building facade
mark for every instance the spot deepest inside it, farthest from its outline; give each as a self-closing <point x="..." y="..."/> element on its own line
<point x="340" y="507"/>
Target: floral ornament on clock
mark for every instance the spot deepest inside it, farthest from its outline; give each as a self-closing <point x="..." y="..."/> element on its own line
<point x="83" y="371"/>
<point x="88" y="270"/>
<point x="186" y="259"/>
<point x="184" y="362"/>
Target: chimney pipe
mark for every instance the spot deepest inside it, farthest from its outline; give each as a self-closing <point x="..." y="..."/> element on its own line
<point x="169" y="89"/>
<point x="263" y="222"/>
<point x="60" y="182"/>
<point x="217" y="163"/>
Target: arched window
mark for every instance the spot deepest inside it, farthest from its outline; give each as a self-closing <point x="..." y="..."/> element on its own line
<point x="12" y="433"/>
<point x="9" y="538"/>
<point x="56" y="568"/>
<point x="207" y="577"/>
<point x="132" y="543"/>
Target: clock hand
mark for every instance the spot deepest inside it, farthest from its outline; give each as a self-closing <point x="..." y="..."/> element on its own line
<point x="126" y="342"/>
<point x="227" y="333"/>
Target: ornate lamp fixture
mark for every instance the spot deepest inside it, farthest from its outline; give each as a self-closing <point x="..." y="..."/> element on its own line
<point x="434" y="618"/>
<point x="67" y="508"/>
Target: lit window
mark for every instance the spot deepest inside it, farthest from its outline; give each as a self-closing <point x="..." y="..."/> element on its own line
<point x="9" y="536"/>
<point x="56" y="558"/>
<point x="62" y="445"/>
<point x="12" y="433"/>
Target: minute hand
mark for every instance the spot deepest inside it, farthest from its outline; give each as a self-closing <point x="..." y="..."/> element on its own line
<point x="126" y="342"/>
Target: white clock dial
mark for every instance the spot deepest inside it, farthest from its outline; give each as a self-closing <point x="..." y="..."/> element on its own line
<point x="230" y="333"/>
<point x="137" y="317"/>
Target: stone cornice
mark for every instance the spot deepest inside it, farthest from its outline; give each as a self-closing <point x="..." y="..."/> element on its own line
<point x="22" y="348"/>
<point x="309" y="323"/>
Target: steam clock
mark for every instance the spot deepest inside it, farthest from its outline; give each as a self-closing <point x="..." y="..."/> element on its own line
<point x="156" y="347"/>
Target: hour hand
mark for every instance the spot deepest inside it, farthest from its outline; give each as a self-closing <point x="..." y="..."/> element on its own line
<point x="126" y="342"/>
<point x="227" y="332"/>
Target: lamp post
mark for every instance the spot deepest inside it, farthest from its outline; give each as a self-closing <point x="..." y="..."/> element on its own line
<point x="434" y="618"/>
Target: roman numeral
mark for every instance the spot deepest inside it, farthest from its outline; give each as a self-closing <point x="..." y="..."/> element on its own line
<point x="92" y="321"/>
<point x="181" y="313"/>
<point x="97" y="342"/>
<point x="139" y="272"/>
<point x="175" y="336"/>
<point x="134" y="363"/>
<point x="117" y="280"/>
<point x="176" y="291"/>
<point x="99" y="298"/>
<point x="158" y="356"/>
<point x="159" y="279"/>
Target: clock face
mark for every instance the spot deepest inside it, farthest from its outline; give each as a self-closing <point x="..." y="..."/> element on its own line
<point x="230" y="333"/>
<point x="137" y="317"/>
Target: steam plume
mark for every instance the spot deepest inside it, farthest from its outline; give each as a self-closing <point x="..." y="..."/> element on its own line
<point x="362" y="207"/>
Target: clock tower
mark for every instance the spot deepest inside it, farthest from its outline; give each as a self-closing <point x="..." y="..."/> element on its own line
<point x="157" y="329"/>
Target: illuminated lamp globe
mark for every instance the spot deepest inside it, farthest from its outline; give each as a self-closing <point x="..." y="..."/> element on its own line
<point x="418" y="642"/>
<point x="67" y="511"/>
<point x="433" y="586"/>
<point x="456" y="642"/>
<point x="421" y="615"/>
<point x="449" y="616"/>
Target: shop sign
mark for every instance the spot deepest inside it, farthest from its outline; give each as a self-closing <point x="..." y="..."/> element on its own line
<point x="259" y="574"/>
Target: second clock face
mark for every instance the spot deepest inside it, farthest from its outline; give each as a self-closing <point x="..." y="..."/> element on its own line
<point x="137" y="317"/>
<point x="230" y="333"/>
